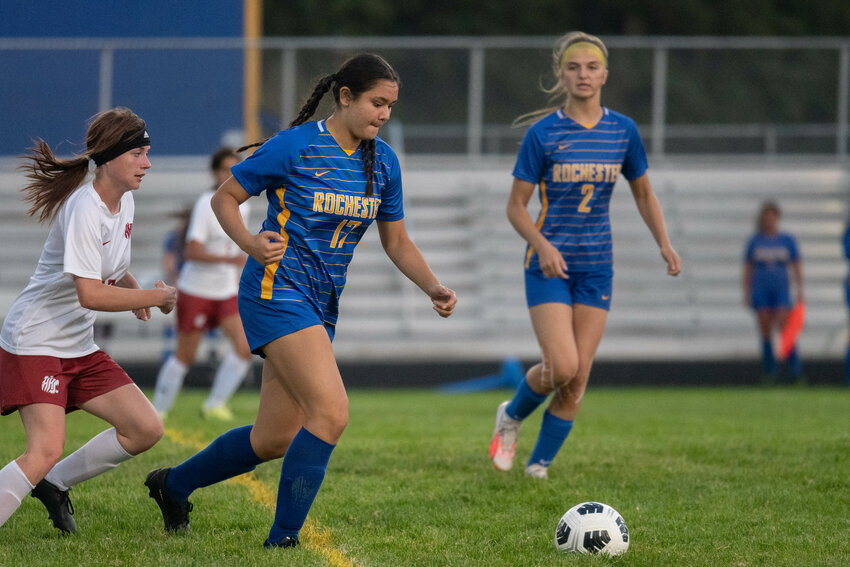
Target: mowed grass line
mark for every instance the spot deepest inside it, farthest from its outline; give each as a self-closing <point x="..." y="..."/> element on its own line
<point x="744" y="477"/>
<point x="314" y="536"/>
<point x="118" y="524"/>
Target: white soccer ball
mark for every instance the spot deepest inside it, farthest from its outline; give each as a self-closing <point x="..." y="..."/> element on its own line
<point x="592" y="527"/>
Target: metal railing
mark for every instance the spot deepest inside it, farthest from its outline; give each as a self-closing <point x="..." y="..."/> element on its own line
<point x="478" y="134"/>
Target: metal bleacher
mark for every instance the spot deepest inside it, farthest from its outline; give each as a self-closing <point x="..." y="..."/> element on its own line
<point x="455" y="214"/>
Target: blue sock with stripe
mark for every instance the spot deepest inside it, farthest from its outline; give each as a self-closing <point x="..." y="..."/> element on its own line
<point x="553" y="433"/>
<point x="795" y="365"/>
<point x="229" y="455"/>
<point x="301" y="476"/>
<point x="768" y="362"/>
<point x="524" y="402"/>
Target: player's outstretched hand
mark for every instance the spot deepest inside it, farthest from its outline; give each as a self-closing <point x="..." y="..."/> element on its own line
<point x="552" y="262"/>
<point x="443" y="298"/>
<point x="169" y="300"/>
<point x="143" y="314"/>
<point x="674" y="262"/>
<point x="266" y="247"/>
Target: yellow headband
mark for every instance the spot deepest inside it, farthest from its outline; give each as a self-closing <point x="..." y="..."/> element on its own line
<point x="583" y="46"/>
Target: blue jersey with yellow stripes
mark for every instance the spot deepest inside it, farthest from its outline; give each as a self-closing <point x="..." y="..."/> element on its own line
<point x="771" y="256"/>
<point x="318" y="204"/>
<point x="576" y="168"/>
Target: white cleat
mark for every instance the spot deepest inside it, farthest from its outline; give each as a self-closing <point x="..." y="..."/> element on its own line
<point x="537" y="471"/>
<point x="503" y="445"/>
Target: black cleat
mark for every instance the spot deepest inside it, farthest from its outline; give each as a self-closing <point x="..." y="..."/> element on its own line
<point x="286" y="541"/>
<point x="59" y="507"/>
<point x="175" y="514"/>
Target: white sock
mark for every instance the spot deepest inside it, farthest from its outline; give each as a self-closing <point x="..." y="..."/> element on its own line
<point x="168" y="383"/>
<point x="227" y="379"/>
<point x="14" y="487"/>
<point x="102" y="453"/>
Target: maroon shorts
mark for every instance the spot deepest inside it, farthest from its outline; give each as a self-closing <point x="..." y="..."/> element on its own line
<point x="198" y="314"/>
<point x="66" y="382"/>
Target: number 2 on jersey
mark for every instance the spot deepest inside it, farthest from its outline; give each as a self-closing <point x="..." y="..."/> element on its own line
<point x="336" y="241"/>
<point x="587" y="191"/>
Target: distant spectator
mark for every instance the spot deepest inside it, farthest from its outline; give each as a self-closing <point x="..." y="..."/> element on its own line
<point x="769" y="257"/>
<point x="173" y="253"/>
<point x="172" y="260"/>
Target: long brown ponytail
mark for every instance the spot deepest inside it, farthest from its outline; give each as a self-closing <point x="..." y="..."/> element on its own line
<point x="359" y="74"/>
<point x="54" y="179"/>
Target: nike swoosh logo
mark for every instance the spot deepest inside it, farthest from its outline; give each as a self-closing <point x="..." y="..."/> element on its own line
<point x="317" y="174"/>
<point x="605" y="298"/>
<point x="107" y="242"/>
<point x="563" y="146"/>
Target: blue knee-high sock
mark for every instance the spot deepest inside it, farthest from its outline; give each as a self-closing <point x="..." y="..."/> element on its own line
<point x="795" y="365"/>
<point x="552" y="435"/>
<point x="847" y="368"/>
<point x="301" y="476"/>
<point x="227" y="456"/>
<point x="768" y="363"/>
<point x="524" y="402"/>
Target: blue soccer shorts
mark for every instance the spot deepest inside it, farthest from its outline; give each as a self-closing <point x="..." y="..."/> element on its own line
<point x="265" y="320"/>
<point x="770" y="294"/>
<point x="585" y="288"/>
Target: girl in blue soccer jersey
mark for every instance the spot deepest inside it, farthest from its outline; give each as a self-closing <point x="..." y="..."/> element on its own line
<point x="574" y="154"/>
<point x="325" y="181"/>
<point x="769" y="257"/>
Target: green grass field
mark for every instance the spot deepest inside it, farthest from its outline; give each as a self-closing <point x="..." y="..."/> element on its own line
<point x="738" y="477"/>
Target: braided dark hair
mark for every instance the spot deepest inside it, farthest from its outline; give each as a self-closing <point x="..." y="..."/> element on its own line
<point x="359" y="74"/>
<point x="368" y="147"/>
<point x="312" y="103"/>
<point x="307" y="110"/>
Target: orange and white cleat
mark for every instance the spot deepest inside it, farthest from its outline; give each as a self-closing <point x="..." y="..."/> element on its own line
<point x="503" y="445"/>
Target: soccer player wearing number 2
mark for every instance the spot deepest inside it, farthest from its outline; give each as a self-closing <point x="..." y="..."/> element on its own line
<point x="574" y="154"/>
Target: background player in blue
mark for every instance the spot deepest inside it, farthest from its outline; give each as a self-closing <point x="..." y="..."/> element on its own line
<point x="767" y="289"/>
<point x="847" y="299"/>
<point x="575" y="154"/>
<point x="325" y="181"/>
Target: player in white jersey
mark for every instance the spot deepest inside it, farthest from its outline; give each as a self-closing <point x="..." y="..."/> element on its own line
<point x="208" y="283"/>
<point x="49" y="363"/>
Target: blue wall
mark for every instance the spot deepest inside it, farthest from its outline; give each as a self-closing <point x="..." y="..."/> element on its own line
<point x="188" y="98"/>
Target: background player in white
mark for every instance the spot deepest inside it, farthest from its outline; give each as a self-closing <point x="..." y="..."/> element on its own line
<point x="208" y="282"/>
<point x="49" y="363"/>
